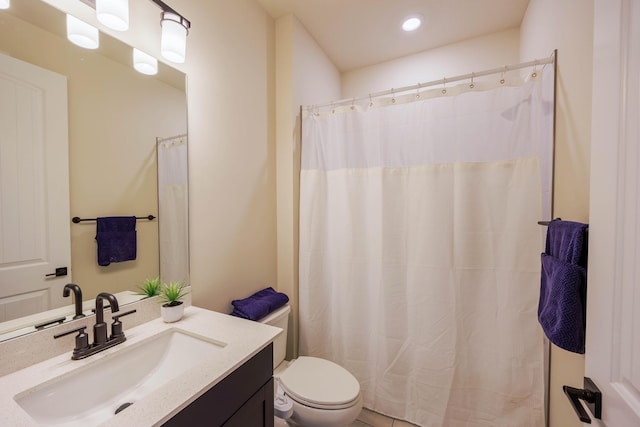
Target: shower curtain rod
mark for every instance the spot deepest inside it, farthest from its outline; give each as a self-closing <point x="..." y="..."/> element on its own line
<point x="442" y="81"/>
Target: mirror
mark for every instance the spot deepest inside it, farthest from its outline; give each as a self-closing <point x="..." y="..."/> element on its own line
<point x="117" y="120"/>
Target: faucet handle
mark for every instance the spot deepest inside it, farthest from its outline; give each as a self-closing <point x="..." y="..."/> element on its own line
<point x="116" y="326"/>
<point x="82" y="340"/>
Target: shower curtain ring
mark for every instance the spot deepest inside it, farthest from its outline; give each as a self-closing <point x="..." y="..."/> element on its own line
<point x="370" y="101"/>
<point x="393" y="96"/>
<point x="353" y="107"/>
<point x="502" y="75"/>
<point x="418" y="90"/>
<point x="471" y="86"/>
<point x="444" y="85"/>
<point x="535" y="70"/>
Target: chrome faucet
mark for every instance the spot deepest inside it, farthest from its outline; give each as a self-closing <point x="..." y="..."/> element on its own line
<point x="77" y="295"/>
<point x="100" y="340"/>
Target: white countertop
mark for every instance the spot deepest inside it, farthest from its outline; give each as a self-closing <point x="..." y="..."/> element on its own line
<point x="243" y="340"/>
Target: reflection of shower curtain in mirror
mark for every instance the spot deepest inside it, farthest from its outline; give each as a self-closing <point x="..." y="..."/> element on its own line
<point x="420" y="250"/>
<point x="173" y="209"/>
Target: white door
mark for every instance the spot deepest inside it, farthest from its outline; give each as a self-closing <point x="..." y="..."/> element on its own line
<point x="34" y="189"/>
<point x="613" y="296"/>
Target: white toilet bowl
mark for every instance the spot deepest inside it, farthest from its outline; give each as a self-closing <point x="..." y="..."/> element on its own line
<point x="322" y="393"/>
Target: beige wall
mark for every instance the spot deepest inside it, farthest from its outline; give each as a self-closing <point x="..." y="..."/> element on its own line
<point x="232" y="175"/>
<point x="566" y="25"/>
<point x="230" y="70"/>
<point x="478" y="54"/>
<point x="115" y="114"/>
<point x="286" y="194"/>
<point x="304" y="75"/>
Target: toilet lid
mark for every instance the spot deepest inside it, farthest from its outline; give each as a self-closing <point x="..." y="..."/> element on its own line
<point x="319" y="382"/>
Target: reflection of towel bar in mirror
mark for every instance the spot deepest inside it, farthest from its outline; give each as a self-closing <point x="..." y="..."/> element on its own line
<point x="58" y="321"/>
<point x="546" y="223"/>
<point x="77" y="219"/>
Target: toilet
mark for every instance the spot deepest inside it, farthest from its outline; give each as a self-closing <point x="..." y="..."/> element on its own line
<point x="309" y="391"/>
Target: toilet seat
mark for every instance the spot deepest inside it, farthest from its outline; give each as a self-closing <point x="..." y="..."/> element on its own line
<point x="320" y="383"/>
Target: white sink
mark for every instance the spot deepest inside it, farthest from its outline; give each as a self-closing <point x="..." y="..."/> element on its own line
<point x="93" y="393"/>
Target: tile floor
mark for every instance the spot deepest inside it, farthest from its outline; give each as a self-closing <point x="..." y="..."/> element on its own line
<point x="368" y="418"/>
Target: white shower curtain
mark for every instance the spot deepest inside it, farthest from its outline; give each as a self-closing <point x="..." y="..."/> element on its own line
<point x="173" y="209"/>
<point x="419" y="250"/>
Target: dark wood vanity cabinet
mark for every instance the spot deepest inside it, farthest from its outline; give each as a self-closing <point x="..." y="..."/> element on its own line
<point x="243" y="399"/>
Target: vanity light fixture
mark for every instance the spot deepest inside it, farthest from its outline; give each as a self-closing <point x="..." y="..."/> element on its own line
<point x="82" y="34"/>
<point x="175" y="28"/>
<point x="4" y="4"/>
<point x="412" y="22"/>
<point x="144" y="63"/>
<point x="113" y="14"/>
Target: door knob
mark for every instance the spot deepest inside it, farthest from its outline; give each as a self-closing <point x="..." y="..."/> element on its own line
<point x="60" y="271"/>
<point x="590" y="394"/>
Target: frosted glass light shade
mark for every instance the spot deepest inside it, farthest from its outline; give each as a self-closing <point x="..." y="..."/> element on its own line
<point x="82" y="34"/>
<point x="113" y="13"/>
<point x="144" y="63"/>
<point x="173" y="44"/>
<point x="4" y="4"/>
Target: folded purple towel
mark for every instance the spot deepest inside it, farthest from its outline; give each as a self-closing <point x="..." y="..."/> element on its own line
<point x="563" y="285"/>
<point x="116" y="237"/>
<point x="259" y="304"/>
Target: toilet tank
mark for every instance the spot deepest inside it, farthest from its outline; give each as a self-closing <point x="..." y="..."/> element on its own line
<point x="279" y="319"/>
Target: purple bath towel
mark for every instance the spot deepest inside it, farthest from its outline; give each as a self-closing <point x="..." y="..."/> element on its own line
<point x="259" y="304"/>
<point x="563" y="285"/>
<point x="116" y="237"/>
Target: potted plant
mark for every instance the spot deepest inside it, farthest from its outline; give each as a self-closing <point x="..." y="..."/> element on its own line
<point x="171" y="296"/>
<point x="150" y="287"/>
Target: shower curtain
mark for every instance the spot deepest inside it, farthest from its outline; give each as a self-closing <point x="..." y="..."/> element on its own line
<point x="420" y="248"/>
<point x="173" y="209"/>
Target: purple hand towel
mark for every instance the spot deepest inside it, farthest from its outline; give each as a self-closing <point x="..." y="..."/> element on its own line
<point x="116" y="237"/>
<point x="563" y="285"/>
<point x="567" y="241"/>
<point x="258" y="305"/>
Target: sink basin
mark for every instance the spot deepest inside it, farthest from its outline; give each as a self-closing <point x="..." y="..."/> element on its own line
<point x="95" y="392"/>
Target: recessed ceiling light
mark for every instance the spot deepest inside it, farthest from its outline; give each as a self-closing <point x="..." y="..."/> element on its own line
<point x="412" y="22"/>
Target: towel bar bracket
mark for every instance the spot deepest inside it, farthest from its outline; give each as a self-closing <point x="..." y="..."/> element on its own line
<point x="590" y="394"/>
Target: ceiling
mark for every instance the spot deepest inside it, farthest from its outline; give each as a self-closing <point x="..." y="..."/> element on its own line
<point x="357" y="33"/>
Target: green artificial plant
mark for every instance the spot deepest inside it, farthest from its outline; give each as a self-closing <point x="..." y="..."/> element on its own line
<point x="172" y="294"/>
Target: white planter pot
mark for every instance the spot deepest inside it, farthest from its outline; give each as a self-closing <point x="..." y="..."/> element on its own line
<point x="172" y="314"/>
